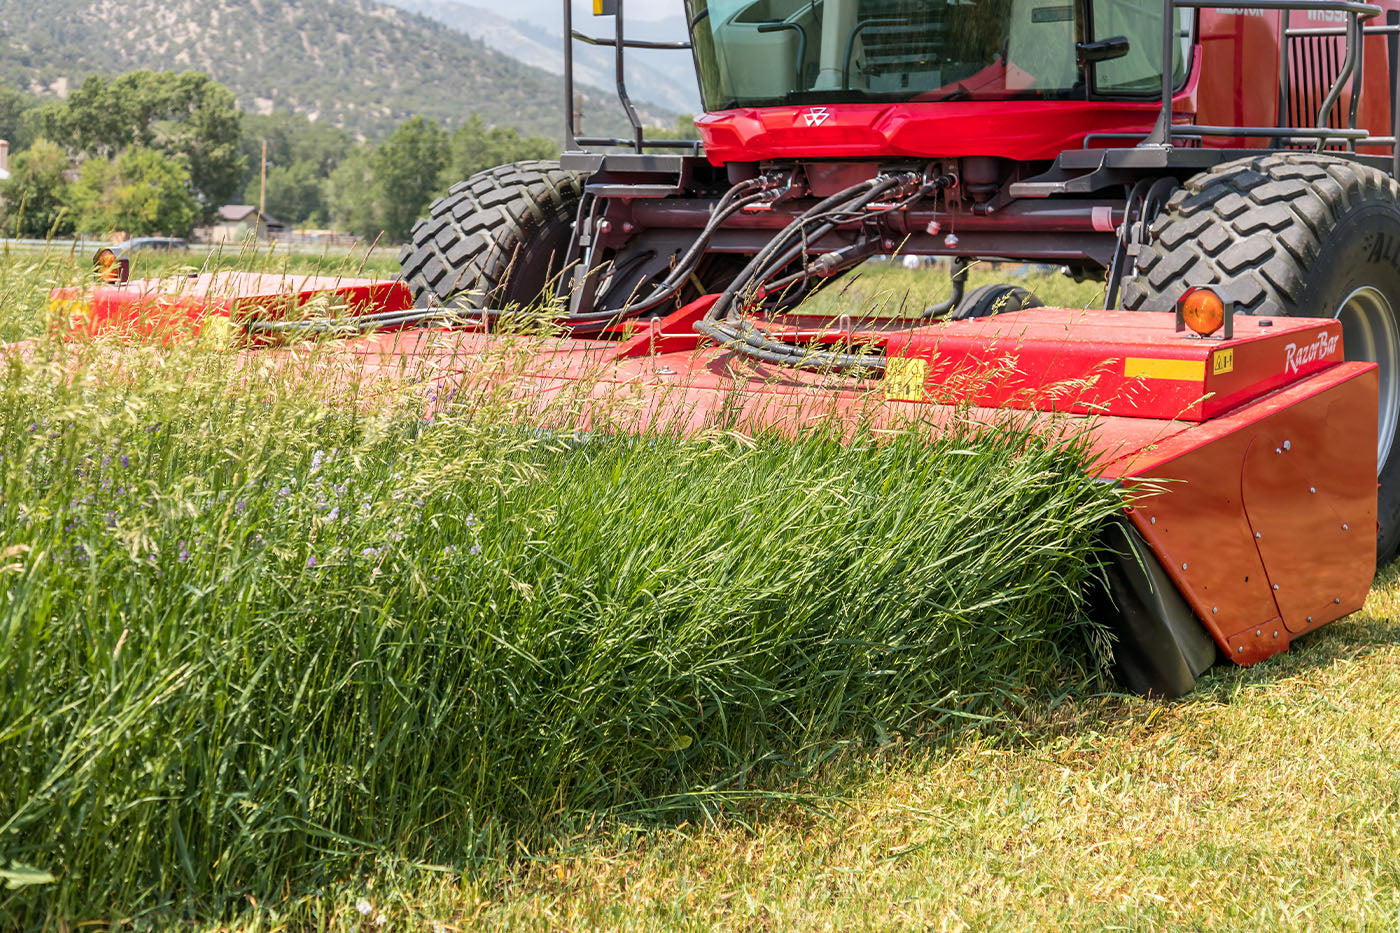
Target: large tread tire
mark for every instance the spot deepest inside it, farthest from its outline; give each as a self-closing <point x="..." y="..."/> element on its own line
<point x="1291" y="234"/>
<point x="496" y="239"/>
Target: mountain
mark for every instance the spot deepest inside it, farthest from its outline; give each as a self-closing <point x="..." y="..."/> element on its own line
<point x="531" y="31"/>
<point x="356" y="64"/>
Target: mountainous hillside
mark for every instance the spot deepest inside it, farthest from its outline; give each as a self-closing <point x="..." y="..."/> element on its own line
<point x="534" y="36"/>
<point x="352" y="63"/>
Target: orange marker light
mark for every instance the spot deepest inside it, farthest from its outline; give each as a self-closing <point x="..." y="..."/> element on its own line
<point x="106" y="263"/>
<point x="108" y="268"/>
<point x="1203" y="311"/>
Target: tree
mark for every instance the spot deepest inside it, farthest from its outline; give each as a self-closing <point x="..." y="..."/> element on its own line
<point x="293" y="139"/>
<point x="295" y="193"/>
<point x="475" y="148"/>
<point x="406" y="172"/>
<point x="301" y="155"/>
<point x="36" y="193"/>
<point x="188" y="117"/>
<point x="140" y="192"/>
<point x="17" y="117"/>
<point x="350" y="194"/>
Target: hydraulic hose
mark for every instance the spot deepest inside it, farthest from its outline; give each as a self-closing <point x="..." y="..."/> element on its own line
<point x="725" y="324"/>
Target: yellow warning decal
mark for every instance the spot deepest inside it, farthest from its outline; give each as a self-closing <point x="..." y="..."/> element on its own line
<point x="70" y="309"/>
<point x="904" y="378"/>
<point x="1222" y="362"/>
<point x="1184" y="370"/>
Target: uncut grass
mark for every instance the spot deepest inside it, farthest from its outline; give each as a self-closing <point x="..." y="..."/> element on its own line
<point x="253" y="643"/>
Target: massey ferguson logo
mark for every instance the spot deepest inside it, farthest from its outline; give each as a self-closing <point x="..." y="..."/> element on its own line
<point x="1295" y="356"/>
<point x="816" y="116"/>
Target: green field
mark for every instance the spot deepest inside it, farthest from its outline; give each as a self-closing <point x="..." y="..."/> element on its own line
<point x="272" y="664"/>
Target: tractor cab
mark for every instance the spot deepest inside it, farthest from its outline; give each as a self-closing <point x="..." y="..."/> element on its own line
<point x="774" y="53"/>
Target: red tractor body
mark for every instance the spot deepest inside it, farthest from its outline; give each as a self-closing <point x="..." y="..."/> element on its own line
<point x="1226" y="47"/>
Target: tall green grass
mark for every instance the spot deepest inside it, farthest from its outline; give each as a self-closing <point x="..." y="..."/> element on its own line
<point x="252" y="644"/>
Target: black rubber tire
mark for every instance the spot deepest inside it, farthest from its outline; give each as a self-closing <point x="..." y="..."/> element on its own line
<point x="497" y="239"/>
<point x="1292" y="234"/>
<point x="997" y="298"/>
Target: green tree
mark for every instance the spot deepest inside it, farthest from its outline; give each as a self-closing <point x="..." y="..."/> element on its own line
<point x="36" y="194"/>
<point x="475" y="148"/>
<point x="350" y="194"/>
<point x="17" y="117"/>
<point x="296" y="193"/>
<point x="187" y="116"/>
<point x="406" y="172"/>
<point x="140" y="192"/>
<point x="291" y="139"/>
<point x="301" y="156"/>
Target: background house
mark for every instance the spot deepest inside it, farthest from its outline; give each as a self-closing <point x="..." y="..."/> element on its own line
<point x="236" y="221"/>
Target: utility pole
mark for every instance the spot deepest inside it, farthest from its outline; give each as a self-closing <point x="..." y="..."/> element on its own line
<point x="262" y="189"/>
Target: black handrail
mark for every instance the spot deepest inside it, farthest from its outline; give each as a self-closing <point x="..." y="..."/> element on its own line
<point x="1352" y="70"/>
<point x="619" y="42"/>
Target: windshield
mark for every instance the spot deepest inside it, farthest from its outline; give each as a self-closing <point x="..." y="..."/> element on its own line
<point x="755" y="53"/>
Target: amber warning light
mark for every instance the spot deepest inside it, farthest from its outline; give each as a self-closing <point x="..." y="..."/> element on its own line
<point x="1204" y="311"/>
<point x="109" y="269"/>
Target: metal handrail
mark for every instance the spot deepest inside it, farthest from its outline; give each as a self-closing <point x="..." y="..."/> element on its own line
<point x="1352" y="70"/>
<point x="619" y="42"/>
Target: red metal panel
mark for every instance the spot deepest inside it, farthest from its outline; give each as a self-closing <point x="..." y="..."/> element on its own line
<point x="176" y="308"/>
<point x="1216" y="496"/>
<point x="1309" y="493"/>
<point x="1127" y="363"/>
<point x="1025" y="130"/>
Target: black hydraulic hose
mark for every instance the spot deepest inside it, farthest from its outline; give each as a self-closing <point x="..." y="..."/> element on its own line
<point x="744" y="337"/>
<point x="959" y="278"/>
<point x="677" y="278"/>
<point x="761" y="259"/>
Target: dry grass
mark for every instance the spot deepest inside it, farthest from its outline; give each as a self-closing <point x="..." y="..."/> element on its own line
<point x="1268" y="799"/>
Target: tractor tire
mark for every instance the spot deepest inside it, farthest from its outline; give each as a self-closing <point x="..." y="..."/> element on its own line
<point x="1294" y="234"/>
<point x="997" y="298"/>
<point x="497" y="239"/>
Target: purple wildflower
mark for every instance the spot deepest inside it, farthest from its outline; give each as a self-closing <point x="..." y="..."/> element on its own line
<point x="334" y="514"/>
<point x="184" y="553"/>
<point x="311" y="562"/>
<point x="111" y="519"/>
<point x="240" y="506"/>
<point x="125" y="461"/>
<point x="318" y="458"/>
<point x="370" y="552"/>
<point x="476" y="549"/>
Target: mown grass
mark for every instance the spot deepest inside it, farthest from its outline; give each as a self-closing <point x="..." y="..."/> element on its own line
<point x="258" y="648"/>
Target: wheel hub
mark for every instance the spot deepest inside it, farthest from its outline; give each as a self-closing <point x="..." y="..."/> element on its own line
<point x="1371" y="335"/>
